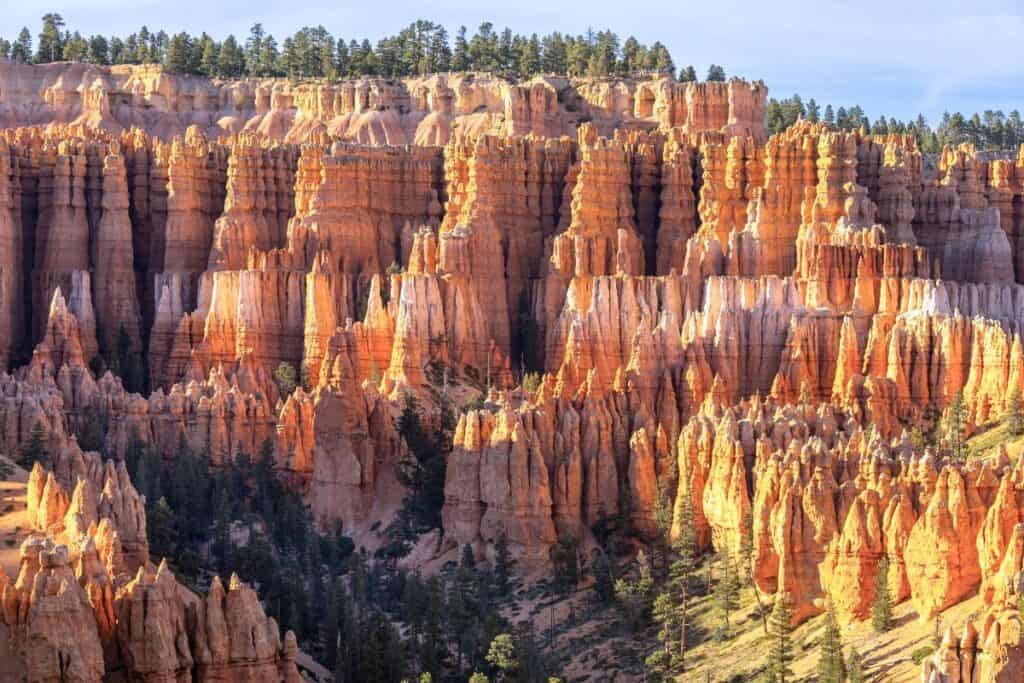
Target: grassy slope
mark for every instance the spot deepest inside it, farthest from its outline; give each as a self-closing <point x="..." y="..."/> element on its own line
<point x="990" y="436"/>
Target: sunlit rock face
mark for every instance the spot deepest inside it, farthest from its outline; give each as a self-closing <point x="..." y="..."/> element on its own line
<point x="751" y="324"/>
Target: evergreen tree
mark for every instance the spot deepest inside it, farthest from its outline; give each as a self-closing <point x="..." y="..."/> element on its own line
<point x="76" y="48"/>
<point x="855" y="668"/>
<point x="634" y="595"/>
<point x="483" y="48"/>
<point x="555" y="54"/>
<point x="161" y="528"/>
<point x="715" y="73"/>
<point x="727" y="591"/>
<point x="813" y="111"/>
<point x="35" y="449"/>
<point x="208" y="51"/>
<point x="1014" y="413"/>
<point x="604" y="577"/>
<point x="780" y="649"/>
<point x="51" y="47"/>
<point x="179" y="54"/>
<point x="829" y="116"/>
<point x="881" y="606"/>
<point x="831" y="667"/>
<point x="21" y="50"/>
<point x="460" y="55"/>
<point x="956" y="427"/>
<point x="529" y="63"/>
<point x="503" y="563"/>
<point x="422" y="470"/>
<point x="565" y="563"/>
<point x="747" y="547"/>
<point x="683" y="571"/>
<point x="662" y="514"/>
<point x="5" y="48"/>
<point x="254" y="49"/>
<point x="662" y="60"/>
<point x="688" y="75"/>
<point x="269" y="58"/>
<point x="286" y="378"/>
<point x="230" y="59"/>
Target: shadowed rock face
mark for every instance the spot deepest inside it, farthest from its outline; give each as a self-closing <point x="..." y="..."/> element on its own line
<point x="752" y="323"/>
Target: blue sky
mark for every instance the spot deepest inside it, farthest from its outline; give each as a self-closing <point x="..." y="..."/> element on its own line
<point x="894" y="58"/>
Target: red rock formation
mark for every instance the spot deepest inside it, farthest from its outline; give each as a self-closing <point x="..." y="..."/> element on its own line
<point x="12" y="273"/>
<point x="113" y="277"/>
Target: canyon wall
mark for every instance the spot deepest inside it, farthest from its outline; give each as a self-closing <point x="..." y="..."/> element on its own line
<point x="701" y="312"/>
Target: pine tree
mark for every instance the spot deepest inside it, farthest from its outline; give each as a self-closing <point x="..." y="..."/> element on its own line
<point x="956" y="427"/>
<point x="780" y="652"/>
<point x="35" y="449"/>
<point x="683" y="571"/>
<point x="21" y="50"/>
<point x="715" y="73"/>
<point x="635" y="594"/>
<point x="51" y="47"/>
<point x="161" y="527"/>
<point x="727" y="591"/>
<point x="813" y="111"/>
<point x="1014" y="413"/>
<point x="662" y="514"/>
<point x="503" y="562"/>
<point x="881" y="607"/>
<point x="460" y="55"/>
<point x="831" y="667"/>
<point x="179" y="51"/>
<point x="208" y="52"/>
<point x="666" y="615"/>
<point x="604" y="577"/>
<point x="253" y="49"/>
<point x="855" y="668"/>
<point x="230" y="59"/>
<point x="468" y="560"/>
<point x="662" y="59"/>
<point x="565" y="563"/>
<point x="688" y="75"/>
<point x="747" y="547"/>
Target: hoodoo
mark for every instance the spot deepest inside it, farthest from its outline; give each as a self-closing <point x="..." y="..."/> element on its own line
<point x="364" y="355"/>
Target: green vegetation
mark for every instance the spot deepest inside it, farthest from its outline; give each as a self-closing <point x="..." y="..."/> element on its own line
<point x="881" y="606"/>
<point x="780" y="652"/>
<point x="1014" y="414"/>
<point x="360" y="616"/>
<point x="35" y="449"/>
<point x="312" y="52"/>
<point x="286" y="379"/>
<point x="422" y="471"/>
<point x="988" y="130"/>
<point x="727" y="591"/>
<point x="855" y="668"/>
<point x="831" y="666"/>
<point x="955" y="427"/>
<point x="565" y="561"/>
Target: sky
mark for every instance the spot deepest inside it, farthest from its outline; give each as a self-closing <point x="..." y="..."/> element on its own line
<point x="896" y="58"/>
